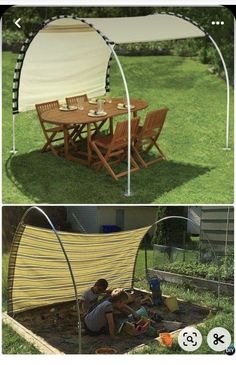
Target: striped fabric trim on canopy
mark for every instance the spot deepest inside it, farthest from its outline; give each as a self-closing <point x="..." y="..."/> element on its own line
<point x="39" y="275"/>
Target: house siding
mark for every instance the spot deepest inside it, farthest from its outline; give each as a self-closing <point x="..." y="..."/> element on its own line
<point x="217" y="226"/>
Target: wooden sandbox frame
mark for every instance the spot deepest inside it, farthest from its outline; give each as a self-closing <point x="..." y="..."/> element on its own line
<point x="45" y="348"/>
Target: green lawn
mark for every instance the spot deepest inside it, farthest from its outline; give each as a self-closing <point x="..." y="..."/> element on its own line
<point x="197" y="169"/>
<point x="13" y="344"/>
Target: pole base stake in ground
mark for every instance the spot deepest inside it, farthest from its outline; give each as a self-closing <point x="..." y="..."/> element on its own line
<point x="227" y="149"/>
<point x="13" y="152"/>
<point x="128" y="194"/>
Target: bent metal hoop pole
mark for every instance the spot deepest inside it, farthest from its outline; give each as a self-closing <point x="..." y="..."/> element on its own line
<point x="195" y="224"/>
<point x="128" y="192"/>
<point x="164" y="219"/>
<point x="13" y="150"/>
<point x="227" y="97"/>
<point x="68" y="263"/>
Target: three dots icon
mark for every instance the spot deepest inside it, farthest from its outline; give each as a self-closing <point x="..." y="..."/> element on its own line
<point x="217" y="22"/>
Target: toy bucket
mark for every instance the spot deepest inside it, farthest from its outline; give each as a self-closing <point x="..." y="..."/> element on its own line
<point x="166" y="339"/>
<point x="154" y="284"/>
<point x="172" y="304"/>
<point x="142" y="312"/>
<point x="136" y="329"/>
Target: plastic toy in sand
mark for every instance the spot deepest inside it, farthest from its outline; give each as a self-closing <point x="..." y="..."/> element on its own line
<point x="136" y="329"/>
<point x="155" y="287"/>
<point x="172" y="304"/>
<point x="166" y="339"/>
<point x="142" y="312"/>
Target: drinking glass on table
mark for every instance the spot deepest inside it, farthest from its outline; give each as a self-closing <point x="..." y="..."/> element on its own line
<point x="100" y="105"/>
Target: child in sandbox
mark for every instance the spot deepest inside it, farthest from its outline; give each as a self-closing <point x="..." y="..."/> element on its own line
<point x="89" y="298"/>
<point x="100" y="320"/>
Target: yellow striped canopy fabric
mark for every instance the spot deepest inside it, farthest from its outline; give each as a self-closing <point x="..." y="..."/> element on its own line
<point x="39" y="275"/>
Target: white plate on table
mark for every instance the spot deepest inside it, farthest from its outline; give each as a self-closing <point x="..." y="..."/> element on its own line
<point x="124" y="106"/>
<point x="97" y="114"/>
<point x="68" y="109"/>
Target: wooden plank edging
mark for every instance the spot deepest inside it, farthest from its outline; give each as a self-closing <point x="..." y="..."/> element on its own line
<point x="225" y="288"/>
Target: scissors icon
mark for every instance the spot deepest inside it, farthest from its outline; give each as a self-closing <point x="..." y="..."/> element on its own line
<point x="218" y="339"/>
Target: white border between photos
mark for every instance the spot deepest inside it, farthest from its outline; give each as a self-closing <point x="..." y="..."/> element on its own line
<point x="120" y="2"/>
<point x="116" y="360"/>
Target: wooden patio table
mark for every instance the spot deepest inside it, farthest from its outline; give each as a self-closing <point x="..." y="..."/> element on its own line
<point x="80" y="117"/>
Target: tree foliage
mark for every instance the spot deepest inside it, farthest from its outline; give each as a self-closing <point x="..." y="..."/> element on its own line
<point x="170" y="232"/>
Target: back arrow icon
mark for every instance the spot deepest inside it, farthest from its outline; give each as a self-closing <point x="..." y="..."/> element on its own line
<point x="17" y="23"/>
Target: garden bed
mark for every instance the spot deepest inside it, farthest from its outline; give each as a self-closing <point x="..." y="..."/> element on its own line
<point x="53" y="329"/>
<point x="224" y="287"/>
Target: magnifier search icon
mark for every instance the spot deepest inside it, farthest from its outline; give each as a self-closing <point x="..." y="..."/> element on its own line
<point x="189" y="339"/>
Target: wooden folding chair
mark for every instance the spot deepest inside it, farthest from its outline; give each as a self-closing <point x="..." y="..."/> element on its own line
<point x="113" y="148"/>
<point x="75" y="101"/>
<point x="148" y="135"/>
<point x="80" y="129"/>
<point x="51" y="134"/>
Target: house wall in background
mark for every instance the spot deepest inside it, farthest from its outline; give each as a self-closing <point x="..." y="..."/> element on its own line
<point x="217" y="225"/>
<point x="83" y="219"/>
<point x="93" y="218"/>
<point x="194" y="213"/>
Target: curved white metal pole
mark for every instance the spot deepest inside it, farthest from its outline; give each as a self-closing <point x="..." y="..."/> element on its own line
<point x="68" y="264"/>
<point x="174" y="217"/>
<point x="227" y="82"/>
<point x="128" y="192"/>
<point x="205" y="235"/>
<point x="13" y="150"/>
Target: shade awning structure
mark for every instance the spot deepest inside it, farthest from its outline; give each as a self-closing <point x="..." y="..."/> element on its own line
<point x="39" y="275"/>
<point x="70" y="56"/>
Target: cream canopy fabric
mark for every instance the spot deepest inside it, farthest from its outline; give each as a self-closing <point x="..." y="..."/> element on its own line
<point x="63" y="60"/>
<point x="39" y="275"/>
<point x="155" y="27"/>
<point x="70" y="57"/>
